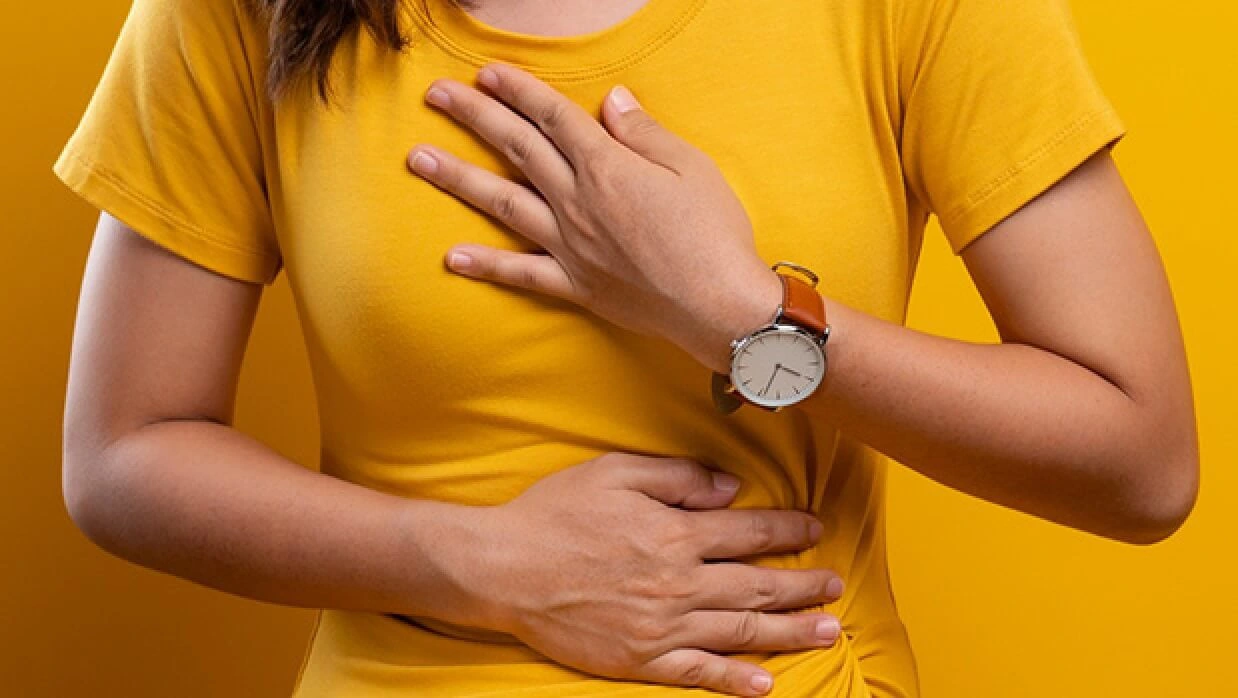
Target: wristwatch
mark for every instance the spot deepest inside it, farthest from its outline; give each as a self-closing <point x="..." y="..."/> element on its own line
<point x="782" y="362"/>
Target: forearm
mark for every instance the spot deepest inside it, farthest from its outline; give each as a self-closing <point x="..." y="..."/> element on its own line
<point x="1010" y="423"/>
<point x="203" y="501"/>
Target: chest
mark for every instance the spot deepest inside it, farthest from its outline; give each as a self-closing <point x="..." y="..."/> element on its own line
<point x="798" y="124"/>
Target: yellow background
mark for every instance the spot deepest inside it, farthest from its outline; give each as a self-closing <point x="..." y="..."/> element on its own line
<point x="998" y="604"/>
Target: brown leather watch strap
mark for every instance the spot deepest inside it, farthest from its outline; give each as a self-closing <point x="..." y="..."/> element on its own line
<point x="802" y="304"/>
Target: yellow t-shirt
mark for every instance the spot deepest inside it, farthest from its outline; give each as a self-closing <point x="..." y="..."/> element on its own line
<point x="841" y="125"/>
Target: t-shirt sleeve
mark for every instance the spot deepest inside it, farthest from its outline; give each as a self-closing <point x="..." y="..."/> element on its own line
<point x="999" y="104"/>
<point x="170" y="142"/>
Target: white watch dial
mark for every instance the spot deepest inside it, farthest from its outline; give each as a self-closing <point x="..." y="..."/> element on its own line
<point x="778" y="366"/>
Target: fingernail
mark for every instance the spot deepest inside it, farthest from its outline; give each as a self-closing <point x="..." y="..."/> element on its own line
<point x="623" y="99"/>
<point x="438" y="98"/>
<point x="815" y="529"/>
<point x="424" y="164"/>
<point x="459" y="261"/>
<point x="726" y="482"/>
<point x="828" y="629"/>
<point x="835" y="587"/>
<point x="761" y="682"/>
<point x="488" y="78"/>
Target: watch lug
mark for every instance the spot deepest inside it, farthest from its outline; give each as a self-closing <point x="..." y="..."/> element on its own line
<point x="725" y="400"/>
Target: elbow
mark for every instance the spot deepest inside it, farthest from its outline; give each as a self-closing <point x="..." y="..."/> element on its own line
<point x="93" y="496"/>
<point x="1163" y="500"/>
<point x="1158" y="520"/>
<point x="86" y="507"/>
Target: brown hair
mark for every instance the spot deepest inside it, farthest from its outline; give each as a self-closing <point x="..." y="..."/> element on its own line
<point x="303" y="35"/>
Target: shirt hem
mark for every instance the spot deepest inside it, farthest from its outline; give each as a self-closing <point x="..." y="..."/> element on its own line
<point x="1032" y="176"/>
<point x="106" y="191"/>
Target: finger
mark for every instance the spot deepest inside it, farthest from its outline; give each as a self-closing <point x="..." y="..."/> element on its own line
<point x="533" y="272"/>
<point x="697" y="668"/>
<point x="511" y="203"/>
<point x="674" y="481"/>
<point x="737" y="586"/>
<point x="733" y="533"/>
<point x="510" y="134"/>
<point x="572" y="129"/>
<point x="753" y="631"/>
<point x="632" y="126"/>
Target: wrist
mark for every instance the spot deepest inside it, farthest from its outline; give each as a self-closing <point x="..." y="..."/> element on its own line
<point x="741" y="306"/>
<point x="452" y="545"/>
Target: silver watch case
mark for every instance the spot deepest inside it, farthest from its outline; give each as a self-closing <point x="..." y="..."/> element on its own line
<point x="817" y="341"/>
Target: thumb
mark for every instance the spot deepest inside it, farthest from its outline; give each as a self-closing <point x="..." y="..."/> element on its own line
<point x="674" y="481"/>
<point x="631" y="125"/>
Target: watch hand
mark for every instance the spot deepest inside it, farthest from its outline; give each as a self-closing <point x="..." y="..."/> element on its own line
<point x="771" y="380"/>
<point x="792" y="372"/>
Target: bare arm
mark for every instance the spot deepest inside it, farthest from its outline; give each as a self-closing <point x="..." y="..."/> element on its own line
<point x="154" y="473"/>
<point x="1083" y="414"/>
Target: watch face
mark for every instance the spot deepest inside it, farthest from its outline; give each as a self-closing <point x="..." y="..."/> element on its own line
<point x="778" y="366"/>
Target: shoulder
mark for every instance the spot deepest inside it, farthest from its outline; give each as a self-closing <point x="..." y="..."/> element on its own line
<point x="203" y="20"/>
<point x="193" y="11"/>
<point x="211" y="40"/>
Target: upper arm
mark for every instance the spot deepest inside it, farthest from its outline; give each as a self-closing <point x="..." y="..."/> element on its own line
<point x="1076" y="272"/>
<point x="156" y="338"/>
<point x="173" y="143"/>
<point x="176" y="138"/>
<point x="1005" y="137"/>
<point x="998" y="103"/>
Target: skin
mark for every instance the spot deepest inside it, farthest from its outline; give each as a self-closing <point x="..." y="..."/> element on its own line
<point x="553" y="17"/>
<point x="1060" y="420"/>
<point x="156" y="474"/>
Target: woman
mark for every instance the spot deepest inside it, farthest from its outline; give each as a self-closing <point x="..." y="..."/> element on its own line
<point x="527" y="488"/>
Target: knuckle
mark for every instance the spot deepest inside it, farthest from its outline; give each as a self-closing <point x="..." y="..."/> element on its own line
<point x="509" y="271"/>
<point x="746" y="629"/>
<point x="577" y="215"/>
<point x="647" y="632"/>
<point x="528" y="278"/>
<point x="550" y="116"/>
<point x="693" y="672"/>
<point x="657" y="582"/>
<point x="730" y="678"/>
<point x="596" y="167"/>
<point x="763" y="590"/>
<point x="449" y="174"/>
<point x="592" y="152"/>
<point x="491" y="267"/>
<point x="686" y="471"/>
<point x="510" y="91"/>
<point x="677" y="528"/>
<point x="468" y="111"/>
<point x="642" y="125"/>
<point x="674" y="586"/>
<point x="519" y="147"/>
<point x="504" y="205"/>
<point x="685" y="590"/>
<point x="760" y="532"/>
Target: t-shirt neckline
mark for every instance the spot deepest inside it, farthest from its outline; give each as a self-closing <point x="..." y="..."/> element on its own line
<point x="579" y="56"/>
